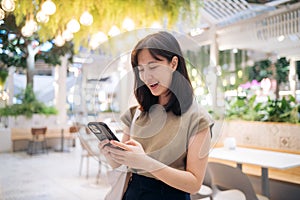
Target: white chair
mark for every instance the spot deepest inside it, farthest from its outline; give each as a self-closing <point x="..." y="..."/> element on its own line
<point x="209" y="191"/>
<point x="227" y="177"/>
<point x="89" y="150"/>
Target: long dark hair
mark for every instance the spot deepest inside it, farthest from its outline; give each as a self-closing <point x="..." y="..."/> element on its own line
<point x="163" y="44"/>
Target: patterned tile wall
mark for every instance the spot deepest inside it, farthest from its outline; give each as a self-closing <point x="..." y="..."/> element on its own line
<point x="279" y="136"/>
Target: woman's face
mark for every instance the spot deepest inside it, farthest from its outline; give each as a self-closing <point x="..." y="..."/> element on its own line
<point x="156" y="74"/>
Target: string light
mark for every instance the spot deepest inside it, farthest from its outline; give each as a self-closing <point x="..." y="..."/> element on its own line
<point x="128" y="24"/>
<point x="42" y="17"/>
<point x="26" y="31"/>
<point x="48" y="7"/>
<point x="29" y="28"/>
<point x="156" y="25"/>
<point x="8" y="5"/>
<point x="97" y="39"/>
<point x="73" y="25"/>
<point x="32" y="25"/>
<point x="67" y="35"/>
<point x="59" y="40"/>
<point x="114" y="31"/>
<point x="2" y="14"/>
<point x="86" y="19"/>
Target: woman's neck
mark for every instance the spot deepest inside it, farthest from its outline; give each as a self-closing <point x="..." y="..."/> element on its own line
<point x="164" y="99"/>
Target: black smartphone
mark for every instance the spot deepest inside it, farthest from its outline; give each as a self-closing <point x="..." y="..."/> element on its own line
<point x="102" y="132"/>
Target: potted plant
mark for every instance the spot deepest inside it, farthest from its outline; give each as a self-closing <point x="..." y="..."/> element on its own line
<point x="277" y="110"/>
<point x="269" y="124"/>
<point x="29" y="107"/>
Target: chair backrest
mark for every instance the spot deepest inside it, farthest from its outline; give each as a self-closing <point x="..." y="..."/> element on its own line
<point x="36" y="132"/>
<point x="39" y="131"/>
<point x="228" y="177"/>
<point x="208" y="178"/>
<point x="89" y="144"/>
<point x="74" y="129"/>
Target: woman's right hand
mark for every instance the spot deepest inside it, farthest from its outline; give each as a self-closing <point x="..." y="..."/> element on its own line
<point x="103" y="147"/>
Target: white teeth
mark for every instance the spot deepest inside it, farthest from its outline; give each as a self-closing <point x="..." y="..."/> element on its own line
<point x="154" y="84"/>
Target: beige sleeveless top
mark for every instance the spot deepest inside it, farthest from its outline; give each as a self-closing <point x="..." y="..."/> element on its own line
<point x="165" y="136"/>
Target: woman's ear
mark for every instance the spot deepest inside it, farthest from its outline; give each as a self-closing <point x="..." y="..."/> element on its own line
<point x="174" y="63"/>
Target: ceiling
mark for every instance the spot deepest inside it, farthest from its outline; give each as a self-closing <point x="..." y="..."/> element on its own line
<point x="272" y="27"/>
<point x="251" y="25"/>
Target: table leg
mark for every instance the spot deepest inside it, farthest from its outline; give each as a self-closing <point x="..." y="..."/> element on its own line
<point x="240" y="166"/>
<point x="265" y="187"/>
<point x="62" y="140"/>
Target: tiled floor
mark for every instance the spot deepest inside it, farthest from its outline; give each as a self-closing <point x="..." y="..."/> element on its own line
<point x="49" y="176"/>
<point x="55" y="176"/>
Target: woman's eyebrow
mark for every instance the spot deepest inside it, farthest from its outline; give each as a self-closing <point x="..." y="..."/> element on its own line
<point x="150" y="62"/>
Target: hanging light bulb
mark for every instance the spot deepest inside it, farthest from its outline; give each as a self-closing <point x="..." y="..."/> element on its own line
<point x="97" y="39"/>
<point x="114" y="31"/>
<point x="48" y="7"/>
<point x="2" y="14"/>
<point x="26" y="31"/>
<point x="8" y="5"/>
<point x="86" y="18"/>
<point x="101" y="37"/>
<point x="29" y="28"/>
<point x="42" y="17"/>
<point x="59" y="40"/>
<point x="73" y="26"/>
<point x="32" y="25"/>
<point x="128" y="24"/>
<point x="67" y="35"/>
<point x="156" y="25"/>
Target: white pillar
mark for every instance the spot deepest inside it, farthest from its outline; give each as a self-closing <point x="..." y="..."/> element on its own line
<point x="212" y="73"/>
<point x="293" y="77"/>
<point x="60" y="92"/>
<point x="232" y="66"/>
<point x="10" y="85"/>
<point x="125" y="86"/>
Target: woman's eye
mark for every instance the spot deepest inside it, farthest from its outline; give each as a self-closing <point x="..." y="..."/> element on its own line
<point x="140" y="69"/>
<point x="153" y="66"/>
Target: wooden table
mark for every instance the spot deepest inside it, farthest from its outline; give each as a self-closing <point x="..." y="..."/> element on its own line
<point x="263" y="158"/>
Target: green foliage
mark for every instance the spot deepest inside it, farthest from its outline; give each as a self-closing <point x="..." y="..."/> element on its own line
<point x="260" y="70"/>
<point x="264" y="69"/>
<point x="107" y="13"/>
<point x="281" y="110"/>
<point x="30" y="105"/>
<point x="282" y="70"/>
<point x="53" y="57"/>
<point x="13" y="49"/>
<point x="284" y="110"/>
<point x="3" y="76"/>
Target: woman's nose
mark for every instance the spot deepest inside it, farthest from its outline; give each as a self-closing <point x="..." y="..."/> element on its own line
<point x="147" y="74"/>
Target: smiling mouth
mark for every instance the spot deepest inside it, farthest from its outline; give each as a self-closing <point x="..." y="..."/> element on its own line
<point x="154" y="85"/>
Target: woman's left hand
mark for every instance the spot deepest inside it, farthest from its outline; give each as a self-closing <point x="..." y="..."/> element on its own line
<point x="134" y="156"/>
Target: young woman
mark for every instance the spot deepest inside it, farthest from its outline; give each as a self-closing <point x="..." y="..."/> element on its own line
<point x="167" y="137"/>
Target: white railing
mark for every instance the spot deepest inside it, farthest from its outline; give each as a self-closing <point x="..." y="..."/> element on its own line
<point x="282" y="24"/>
